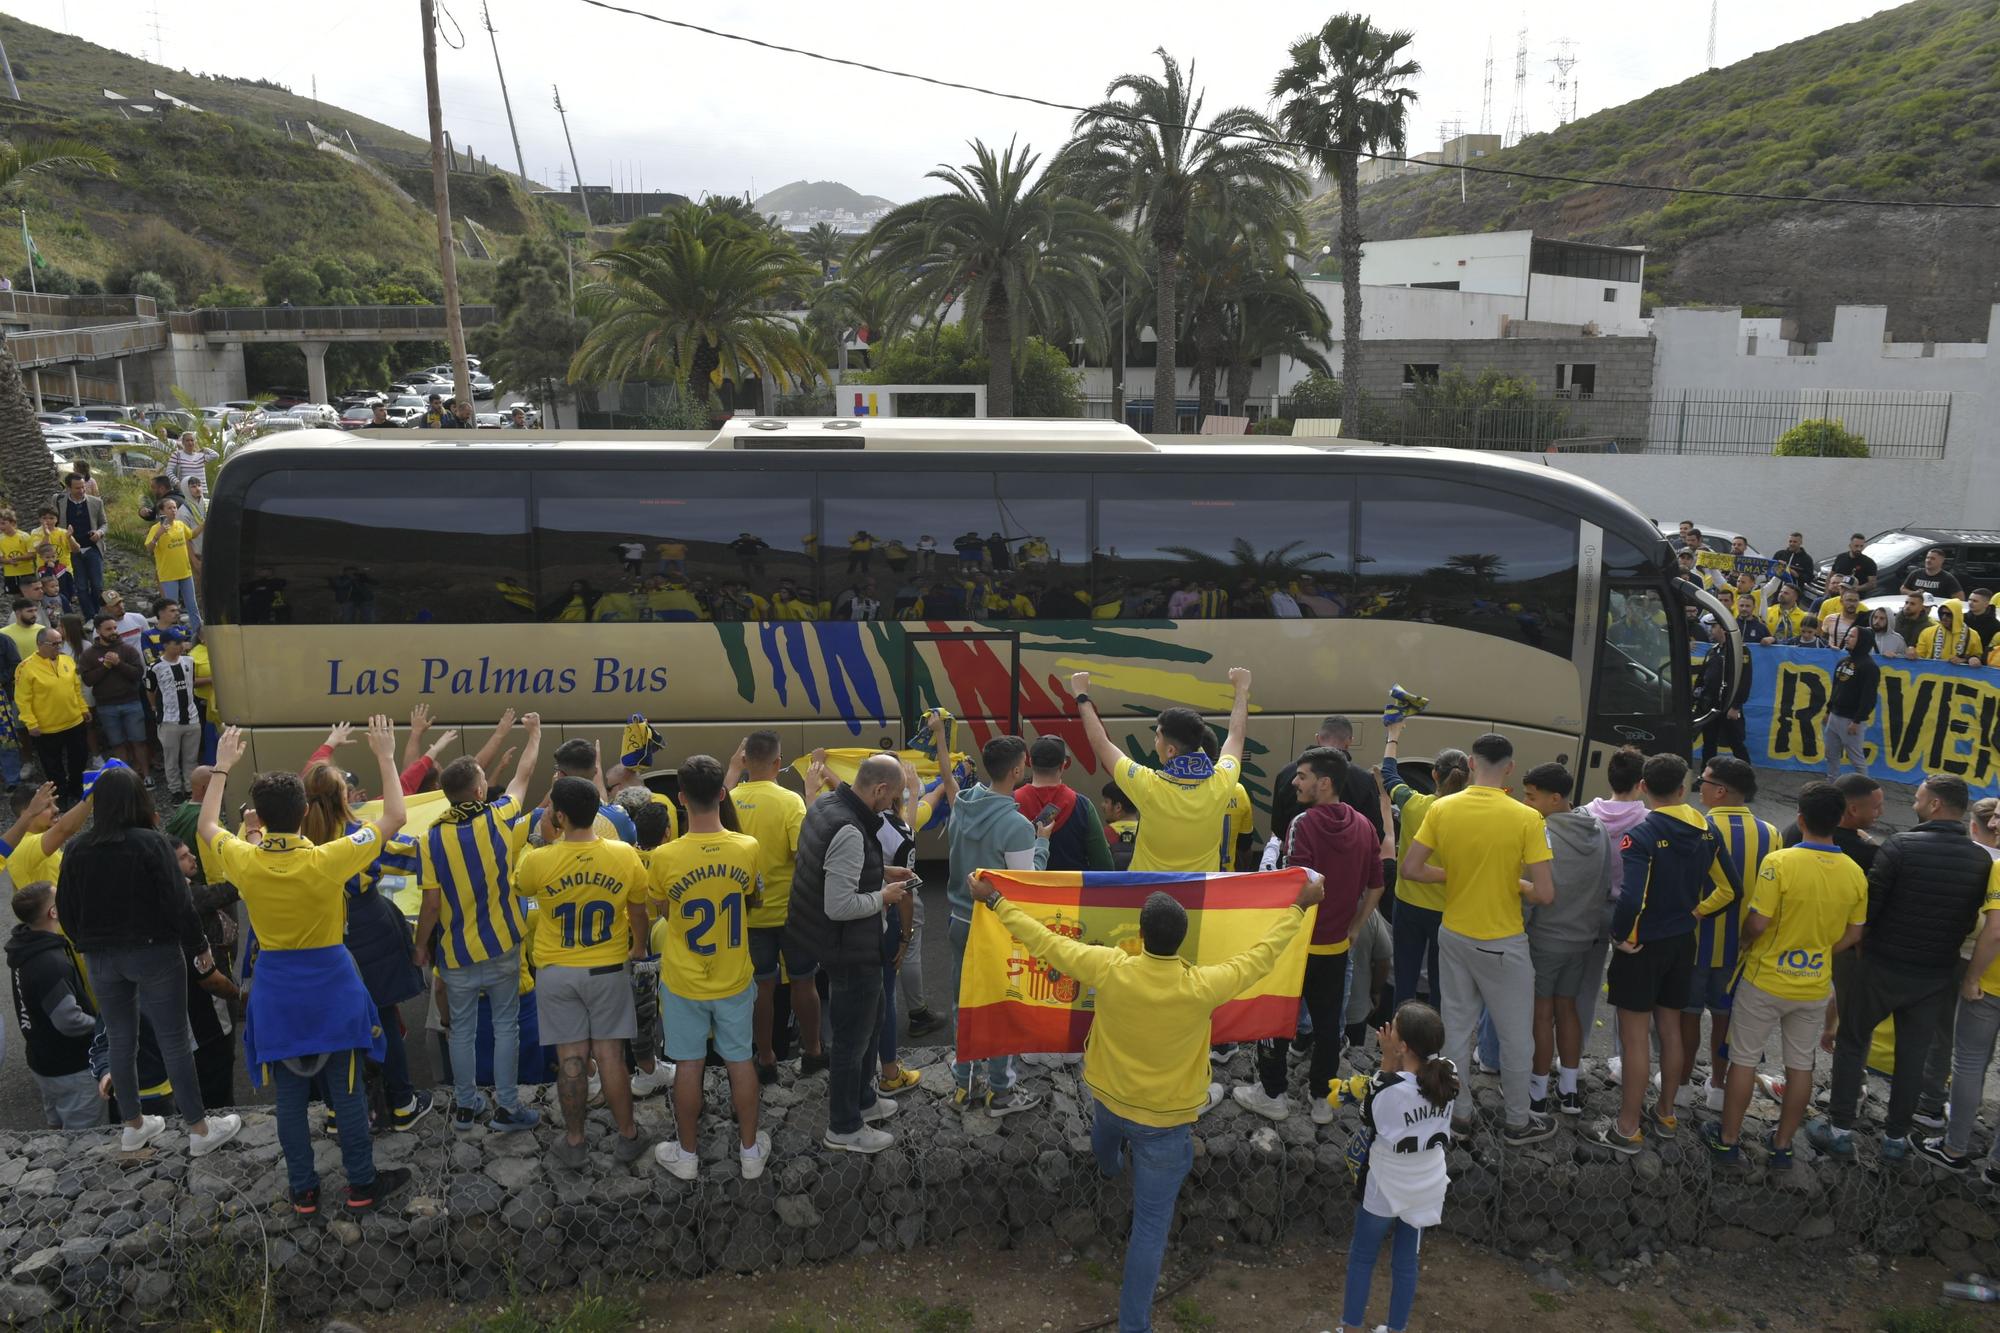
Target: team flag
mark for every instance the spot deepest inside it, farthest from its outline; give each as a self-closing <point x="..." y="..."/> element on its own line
<point x="1011" y="1003"/>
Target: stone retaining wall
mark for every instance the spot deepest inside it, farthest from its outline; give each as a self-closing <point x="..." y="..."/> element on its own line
<point x="90" y="1234"/>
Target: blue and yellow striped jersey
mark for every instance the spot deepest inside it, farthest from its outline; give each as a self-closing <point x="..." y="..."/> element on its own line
<point x="1746" y="840"/>
<point x="399" y="857"/>
<point x="467" y="858"/>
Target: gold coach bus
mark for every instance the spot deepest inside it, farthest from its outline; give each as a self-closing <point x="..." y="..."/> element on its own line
<point x="712" y="586"/>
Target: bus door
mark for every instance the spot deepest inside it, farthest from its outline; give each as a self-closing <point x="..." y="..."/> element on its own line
<point x="1640" y="695"/>
<point x="974" y="674"/>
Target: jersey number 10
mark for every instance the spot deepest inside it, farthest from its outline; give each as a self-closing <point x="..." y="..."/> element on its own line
<point x="596" y="921"/>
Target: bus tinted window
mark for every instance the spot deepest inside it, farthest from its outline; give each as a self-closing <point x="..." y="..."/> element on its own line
<point x="1446" y="554"/>
<point x="1222" y="547"/>
<point x="354" y="546"/>
<point x="677" y="546"/>
<point x="952" y="545"/>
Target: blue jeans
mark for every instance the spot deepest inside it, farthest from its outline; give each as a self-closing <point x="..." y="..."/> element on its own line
<point x="1489" y="1040"/>
<point x="87" y="566"/>
<point x="499" y="979"/>
<point x="999" y="1069"/>
<point x="182" y="591"/>
<point x="1369" y="1233"/>
<point x="1414" y="931"/>
<point x="345" y="1096"/>
<point x="1161" y="1159"/>
<point x="854" y="1005"/>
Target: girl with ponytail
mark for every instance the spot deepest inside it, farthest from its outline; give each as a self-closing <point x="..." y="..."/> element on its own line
<point x="1406" y="1122"/>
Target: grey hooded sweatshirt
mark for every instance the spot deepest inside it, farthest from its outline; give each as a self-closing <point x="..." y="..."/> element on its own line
<point x="1584" y="857"/>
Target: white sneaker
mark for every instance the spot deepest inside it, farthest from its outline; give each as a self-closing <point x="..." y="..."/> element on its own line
<point x="1252" y="1097"/>
<point x="1684" y="1098"/>
<point x="1772" y="1086"/>
<point x="1479" y="1066"/>
<point x="1614" y="1070"/>
<point x="596" y="1094"/>
<point x="678" y="1162"/>
<point x="883" y="1108"/>
<point x="1216" y="1092"/>
<point x="866" y="1139"/>
<point x="150" y="1128"/>
<point x="1322" y="1111"/>
<point x="645" y="1084"/>
<point x="756" y="1157"/>
<point x="221" y="1129"/>
<point x="1716" y="1093"/>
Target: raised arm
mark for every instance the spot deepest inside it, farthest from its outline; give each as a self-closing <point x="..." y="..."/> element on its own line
<point x="382" y="740"/>
<point x="491" y="750"/>
<point x="43" y="800"/>
<point x="737" y="764"/>
<point x="1108" y="755"/>
<point x="531" y="751"/>
<point x="1225" y="980"/>
<point x="1239" y="714"/>
<point x="228" y="749"/>
<point x="420" y="725"/>
<point x="1088" y="963"/>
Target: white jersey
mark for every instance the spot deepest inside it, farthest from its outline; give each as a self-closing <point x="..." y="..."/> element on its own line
<point x="1406" y="1170"/>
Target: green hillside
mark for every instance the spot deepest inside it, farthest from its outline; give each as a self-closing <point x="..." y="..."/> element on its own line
<point x="1902" y="105"/>
<point x="805" y="196"/>
<point x="209" y="198"/>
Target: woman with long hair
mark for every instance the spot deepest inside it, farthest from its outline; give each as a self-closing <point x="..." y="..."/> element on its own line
<point x="377" y="935"/>
<point x="125" y="904"/>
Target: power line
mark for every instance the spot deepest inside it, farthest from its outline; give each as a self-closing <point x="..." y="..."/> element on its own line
<point x="1292" y="144"/>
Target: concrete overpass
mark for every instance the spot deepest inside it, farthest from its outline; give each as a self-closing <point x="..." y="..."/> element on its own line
<point x="201" y="350"/>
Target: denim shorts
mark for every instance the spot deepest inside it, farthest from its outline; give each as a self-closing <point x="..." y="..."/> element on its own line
<point x="690" y="1024"/>
<point x="1709" y="990"/>
<point x="122" y="723"/>
<point x="767" y="946"/>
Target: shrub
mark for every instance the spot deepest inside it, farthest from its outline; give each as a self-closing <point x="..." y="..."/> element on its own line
<point x="1818" y="437"/>
<point x="1316" y="395"/>
<point x="1271" y="426"/>
<point x="148" y="283"/>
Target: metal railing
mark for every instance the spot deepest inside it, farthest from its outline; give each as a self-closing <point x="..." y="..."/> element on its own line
<point x="49" y="305"/>
<point x="313" y="318"/>
<point x="96" y="342"/>
<point x="1895" y="423"/>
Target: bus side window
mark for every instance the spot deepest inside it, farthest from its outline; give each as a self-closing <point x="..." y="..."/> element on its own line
<point x="361" y="546"/>
<point x="1441" y="553"/>
<point x="1219" y="547"/>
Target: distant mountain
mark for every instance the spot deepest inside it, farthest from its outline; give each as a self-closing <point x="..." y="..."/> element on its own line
<point x="1904" y="104"/>
<point x="820" y="196"/>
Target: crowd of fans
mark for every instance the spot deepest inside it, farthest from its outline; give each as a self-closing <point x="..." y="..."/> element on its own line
<point x="612" y="940"/>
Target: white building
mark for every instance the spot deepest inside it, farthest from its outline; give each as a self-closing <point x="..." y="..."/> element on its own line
<point x="1555" y="282"/>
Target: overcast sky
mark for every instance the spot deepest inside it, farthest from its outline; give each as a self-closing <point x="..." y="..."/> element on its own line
<point x="687" y="112"/>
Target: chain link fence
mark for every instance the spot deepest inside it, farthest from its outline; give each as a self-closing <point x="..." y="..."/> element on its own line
<point x="91" y="1237"/>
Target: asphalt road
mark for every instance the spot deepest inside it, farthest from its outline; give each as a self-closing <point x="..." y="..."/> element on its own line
<point x="21" y="1109"/>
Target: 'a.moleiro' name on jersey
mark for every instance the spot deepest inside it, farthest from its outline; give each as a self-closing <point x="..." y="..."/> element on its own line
<point x="584" y="878"/>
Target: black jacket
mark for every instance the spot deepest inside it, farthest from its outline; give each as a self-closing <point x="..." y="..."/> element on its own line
<point x="1358" y="791"/>
<point x="378" y="936"/>
<point x="1855" y="678"/>
<point x="1709" y="689"/>
<point x="807" y="926"/>
<point x="1924" y="894"/>
<point x="126" y="891"/>
<point x="45" y="974"/>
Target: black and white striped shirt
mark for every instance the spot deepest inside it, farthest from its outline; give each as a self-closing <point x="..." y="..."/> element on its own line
<point x="175" y="683"/>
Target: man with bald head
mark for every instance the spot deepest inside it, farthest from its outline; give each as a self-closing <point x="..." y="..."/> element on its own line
<point x="181" y="823"/>
<point x="840" y="888"/>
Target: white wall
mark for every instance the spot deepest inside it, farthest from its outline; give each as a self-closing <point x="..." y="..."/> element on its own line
<point x="1494" y="261"/>
<point x="1562" y="300"/>
<point x="210" y="373"/>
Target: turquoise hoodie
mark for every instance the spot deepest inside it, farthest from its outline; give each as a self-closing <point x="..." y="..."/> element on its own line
<point x="985" y="826"/>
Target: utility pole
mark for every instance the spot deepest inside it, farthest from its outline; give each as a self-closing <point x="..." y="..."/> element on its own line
<point x="583" y="201"/>
<point x="7" y="66"/>
<point x="520" y="163"/>
<point x="441" y="201"/>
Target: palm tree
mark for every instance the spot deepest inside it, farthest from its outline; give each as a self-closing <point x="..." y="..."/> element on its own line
<point x="696" y="306"/>
<point x="862" y="302"/>
<point x="27" y="469"/>
<point x="1022" y="255"/>
<point x="1344" y="96"/>
<point x="1141" y="155"/>
<point x="1277" y="566"/>
<point x="1273" y="316"/>
<point x="1228" y="260"/>
<point x="824" y="244"/>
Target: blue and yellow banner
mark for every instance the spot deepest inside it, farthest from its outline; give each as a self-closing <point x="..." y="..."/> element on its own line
<point x="1930" y="717"/>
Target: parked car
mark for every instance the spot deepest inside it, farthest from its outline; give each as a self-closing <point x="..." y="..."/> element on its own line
<point x="92" y="430"/>
<point x="56" y="420"/>
<point x="415" y="402"/>
<point x="101" y="455"/>
<point x="354" y="418"/>
<point x="360" y="398"/>
<point x="315" y="414"/>
<point x="273" y="424"/>
<point x="171" y="419"/>
<point x="445" y="372"/>
<point x="481" y="386"/>
<point x="487" y="420"/>
<point x="1972" y="556"/>
<point x="109" y="414"/>
<point x="281" y="399"/>
<point x="401" y="414"/>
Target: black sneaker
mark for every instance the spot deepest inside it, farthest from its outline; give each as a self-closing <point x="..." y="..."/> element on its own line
<point x="767" y="1074"/>
<point x="1538" y="1105"/>
<point x="305" y="1202"/>
<point x="1934" y="1152"/>
<point x="388" y="1181"/>
<point x="464" y="1119"/>
<point x="1539" y="1127"/>
<point x="812" y="1064"/>
<point x="405" y="1118"/>
<point x="923" y="1022"/>
<point x="1570" y="1103"/>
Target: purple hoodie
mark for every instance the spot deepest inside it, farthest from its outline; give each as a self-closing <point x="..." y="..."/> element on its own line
<point x="1618" y="818"/>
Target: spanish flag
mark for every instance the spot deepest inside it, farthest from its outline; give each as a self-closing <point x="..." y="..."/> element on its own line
<point x="1011" y="1003"/>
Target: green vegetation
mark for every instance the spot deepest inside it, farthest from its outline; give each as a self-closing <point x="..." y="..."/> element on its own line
<point x="591" y="1312"/>
<point x="1044" y="383"/>
<point x="1186" y="1313"/>
<point x="1927" y="1319"/>
<point x="805" y="196"/>
<point x="1905" y="103"/>
<point x="1316" y="395"/>
<point x="1821" y="438"/>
